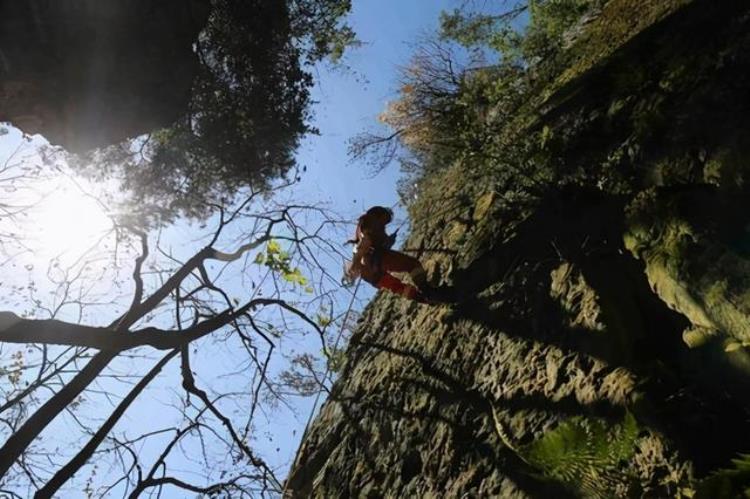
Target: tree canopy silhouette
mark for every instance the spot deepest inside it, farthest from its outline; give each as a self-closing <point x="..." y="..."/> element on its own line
<point x="249" y="107"/>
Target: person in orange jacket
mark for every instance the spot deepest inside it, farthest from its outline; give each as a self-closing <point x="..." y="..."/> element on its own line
<point x="374" y="260"/>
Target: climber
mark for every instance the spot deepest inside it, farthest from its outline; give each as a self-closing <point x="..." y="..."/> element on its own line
<point x="374" y="260"/>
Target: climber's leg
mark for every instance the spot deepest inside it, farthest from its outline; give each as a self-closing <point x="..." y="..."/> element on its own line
<point x="395" y="261"/>
<point x="394" y="285"/>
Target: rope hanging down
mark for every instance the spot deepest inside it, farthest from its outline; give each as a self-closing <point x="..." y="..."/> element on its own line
<point x="328" y="364"/>
<point x="326" y="374"/>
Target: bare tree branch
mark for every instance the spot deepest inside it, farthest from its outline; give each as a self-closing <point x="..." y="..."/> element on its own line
<point x="188" y="383"/>
<point x="67" y="471"/>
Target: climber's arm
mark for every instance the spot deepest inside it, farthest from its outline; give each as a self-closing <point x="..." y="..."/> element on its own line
<point x="363" y="248"/>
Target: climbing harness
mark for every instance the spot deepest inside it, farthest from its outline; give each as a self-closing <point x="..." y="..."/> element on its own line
<point x="347" y="280"/>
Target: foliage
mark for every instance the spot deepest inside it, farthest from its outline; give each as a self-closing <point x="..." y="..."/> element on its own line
<point x="586" y="454"/>
<point x="280" y="262"/>
<point x="727" y="483"/>
<point x="302" y="376"/>
<point x="316" y="24"/>
<point x="428" y="112"/>
<point x="249" y="108"/>
<point x="525" y="33"/>
<point x="455" y="107"/>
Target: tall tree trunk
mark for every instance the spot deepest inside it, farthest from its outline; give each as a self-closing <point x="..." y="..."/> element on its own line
<point x="67" y="471"/>
<point x="22" y="438"/>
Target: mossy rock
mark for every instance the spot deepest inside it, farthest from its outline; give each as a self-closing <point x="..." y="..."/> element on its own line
<point x="483" y="206"/>
<point x="692" y="272"/>
<point x="619" y="22"/>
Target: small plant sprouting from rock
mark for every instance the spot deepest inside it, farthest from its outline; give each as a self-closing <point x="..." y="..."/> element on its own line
<point x="586" y="454"/>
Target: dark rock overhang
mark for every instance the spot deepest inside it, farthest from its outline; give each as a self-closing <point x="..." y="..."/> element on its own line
<point x="89" y="73"/>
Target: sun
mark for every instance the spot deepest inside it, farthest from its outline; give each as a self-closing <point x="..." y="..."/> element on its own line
<point x="67" y="220"/>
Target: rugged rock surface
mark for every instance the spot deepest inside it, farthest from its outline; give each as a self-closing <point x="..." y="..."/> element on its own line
<point x="578" y="309"/>
<point x="88" y="73"/>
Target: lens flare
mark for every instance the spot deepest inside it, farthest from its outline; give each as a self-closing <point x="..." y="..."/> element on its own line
<point x="67" y="221"/>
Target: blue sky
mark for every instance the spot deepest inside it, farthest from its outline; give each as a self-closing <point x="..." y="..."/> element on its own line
<point x="350" y="102"/>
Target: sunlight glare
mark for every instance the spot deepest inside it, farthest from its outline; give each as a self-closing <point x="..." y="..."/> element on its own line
<point x="67" y="221"/>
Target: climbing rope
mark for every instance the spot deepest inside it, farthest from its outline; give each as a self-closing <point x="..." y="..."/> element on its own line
<point x="326" y="374"/>
<point x="328" y="364"/>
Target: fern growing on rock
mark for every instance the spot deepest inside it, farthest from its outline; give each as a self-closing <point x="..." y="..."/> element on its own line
<point x="727" y="482"/>
<point x="586" y="454"/>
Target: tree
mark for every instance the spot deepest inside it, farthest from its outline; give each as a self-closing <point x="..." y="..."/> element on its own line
<point x="460" y="96"/>
<point x="525" y="32"/>
<point x="451" y="107"/>
<point x="81" y="350"/>
<point x="249" y="108"/>
<point x="255" y="283"/>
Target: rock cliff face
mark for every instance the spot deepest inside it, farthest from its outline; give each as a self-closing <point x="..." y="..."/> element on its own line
<point x="599" y="346"/>
<point x="88" y="73"/>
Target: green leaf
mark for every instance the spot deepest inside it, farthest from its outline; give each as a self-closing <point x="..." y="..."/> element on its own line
<point x="586" y="454"/>
<point x="293" y="276"/>
<point x="322" y="320"/>
<point x="273" y="247"/>
<point x="545" y="136"/>
<point x="726" y="482"/>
